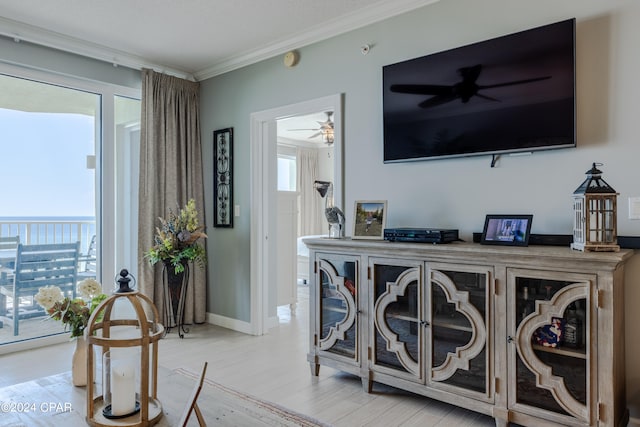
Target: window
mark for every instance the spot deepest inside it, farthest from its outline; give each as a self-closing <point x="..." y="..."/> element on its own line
<point x="287" y="166"/>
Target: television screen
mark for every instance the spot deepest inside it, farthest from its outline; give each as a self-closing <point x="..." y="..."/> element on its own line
<point x="514" y="93"/>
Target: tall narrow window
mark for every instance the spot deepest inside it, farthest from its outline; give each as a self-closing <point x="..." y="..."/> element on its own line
<point x="286" y="168"/>
<point x="127" y="165"/>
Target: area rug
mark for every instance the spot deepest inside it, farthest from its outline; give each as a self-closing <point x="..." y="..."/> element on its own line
<point x="53" y="401"/>
<point x="224" y="406"/>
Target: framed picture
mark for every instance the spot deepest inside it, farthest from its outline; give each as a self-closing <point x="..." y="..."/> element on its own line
<point x="223" y="177"/>
<point x="510" y="230"/>
<point x="369" y="219"/>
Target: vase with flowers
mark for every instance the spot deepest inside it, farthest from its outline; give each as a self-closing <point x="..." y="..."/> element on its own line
<point x="74" y="313"/>
<point x="175" y="245"/>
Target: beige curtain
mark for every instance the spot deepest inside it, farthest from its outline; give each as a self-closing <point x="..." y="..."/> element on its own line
<point x="311" y="207"/>
<point x="170" y="174"/>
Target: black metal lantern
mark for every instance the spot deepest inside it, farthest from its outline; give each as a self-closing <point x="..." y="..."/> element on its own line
<point x="595" y="214"/>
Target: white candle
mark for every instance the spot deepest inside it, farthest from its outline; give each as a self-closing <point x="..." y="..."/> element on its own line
<point x="123" y="387"/>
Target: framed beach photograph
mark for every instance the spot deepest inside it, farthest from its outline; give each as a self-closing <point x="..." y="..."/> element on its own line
<point x="509" y="230"/>
<point x="223" y="178"/>
<point x="369" y="219"/>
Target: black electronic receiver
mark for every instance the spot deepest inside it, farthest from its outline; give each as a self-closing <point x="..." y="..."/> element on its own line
<point x="420" y="235"/>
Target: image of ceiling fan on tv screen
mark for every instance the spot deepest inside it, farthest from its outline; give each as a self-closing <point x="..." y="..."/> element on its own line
<point x="463" y="90"/>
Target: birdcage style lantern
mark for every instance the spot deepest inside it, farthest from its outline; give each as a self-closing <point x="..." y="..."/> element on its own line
<point x="122" y="359"/>
<point x="595" y="214"/>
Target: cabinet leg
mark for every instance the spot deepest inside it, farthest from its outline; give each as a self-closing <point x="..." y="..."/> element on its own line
<point x="501" y="416"/>
<point x="315" y="369"/>
<point x="367" y="384"/>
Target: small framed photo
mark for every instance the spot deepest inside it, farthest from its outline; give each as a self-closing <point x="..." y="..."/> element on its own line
<point x="369" y="219"/>
<point x="509" y="230"/>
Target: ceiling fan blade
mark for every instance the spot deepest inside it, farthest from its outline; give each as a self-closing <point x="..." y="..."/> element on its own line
<point x="516" y="82"/>
<point x="470" y="74"/>
<point x="301" y="129"/>
<point x="437" y="100"/>
<point x="315" y="135"/>
<point x="423" y="89"/>
<point x="488" y="98"/>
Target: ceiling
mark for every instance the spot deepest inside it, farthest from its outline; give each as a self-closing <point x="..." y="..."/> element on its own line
<point x="190" y="38"/>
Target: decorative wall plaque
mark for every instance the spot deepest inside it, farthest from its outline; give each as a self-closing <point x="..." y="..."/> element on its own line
<point x="223" y="177"/>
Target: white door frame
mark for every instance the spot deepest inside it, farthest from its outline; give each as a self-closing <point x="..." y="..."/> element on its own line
<point x="263" y="195"/>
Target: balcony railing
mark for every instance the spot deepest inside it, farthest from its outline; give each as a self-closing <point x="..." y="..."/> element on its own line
<point x="43" y="230"/>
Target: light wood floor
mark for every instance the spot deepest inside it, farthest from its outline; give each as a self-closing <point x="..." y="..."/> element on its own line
<point x="272" y="367"/>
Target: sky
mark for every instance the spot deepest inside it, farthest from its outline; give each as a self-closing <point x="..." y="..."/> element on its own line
<point x="43" y="164"/>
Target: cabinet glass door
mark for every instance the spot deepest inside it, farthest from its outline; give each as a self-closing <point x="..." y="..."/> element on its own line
<point x="397" y="336"/>
<point x="458" y="331"/>
<point x="337" y="279"/>
<point x="553" y="357"/>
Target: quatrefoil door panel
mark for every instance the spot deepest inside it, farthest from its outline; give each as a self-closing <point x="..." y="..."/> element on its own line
<point x="458" y="331"/>
<point x="398" y="333"/>
<point x="337" y="279"/>
<point x="551" y="357"/>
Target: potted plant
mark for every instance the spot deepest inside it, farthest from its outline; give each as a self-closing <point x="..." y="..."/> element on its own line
<point x="74" y="313"/>
<point x="175" y="242"/>
<point x="175" y="245"/>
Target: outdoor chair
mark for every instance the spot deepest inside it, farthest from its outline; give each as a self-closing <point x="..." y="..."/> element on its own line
<point x="9" y="242"/>
<point x="87" y="262"/>
<point x="8" y="246"/>
<point x="37" y="266"/>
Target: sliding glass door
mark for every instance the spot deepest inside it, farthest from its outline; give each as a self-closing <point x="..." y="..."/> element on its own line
<point x="68" y="175"/>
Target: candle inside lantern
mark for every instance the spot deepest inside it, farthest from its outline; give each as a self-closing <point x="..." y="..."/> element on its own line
<point x="123" y="387"/>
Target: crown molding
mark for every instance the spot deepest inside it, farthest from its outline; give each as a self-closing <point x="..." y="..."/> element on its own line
<point x="375" y="13"/>
<point x="19" y="31"/>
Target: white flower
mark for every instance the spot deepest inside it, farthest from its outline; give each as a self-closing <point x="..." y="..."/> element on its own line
<point x="48" y="296"/>
<point x="89" y="288"/>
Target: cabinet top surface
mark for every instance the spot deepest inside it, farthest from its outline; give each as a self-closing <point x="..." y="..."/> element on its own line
<point x="456" y="250"/>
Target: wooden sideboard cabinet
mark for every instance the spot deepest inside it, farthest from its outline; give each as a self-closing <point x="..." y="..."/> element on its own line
<point x="529" y="335"/>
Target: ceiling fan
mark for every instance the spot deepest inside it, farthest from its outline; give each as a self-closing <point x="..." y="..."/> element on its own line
<point x="463" y="90"/>
<point x="325" y="130"/>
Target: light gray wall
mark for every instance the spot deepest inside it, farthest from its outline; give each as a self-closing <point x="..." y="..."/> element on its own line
<point x="455" y="193"/>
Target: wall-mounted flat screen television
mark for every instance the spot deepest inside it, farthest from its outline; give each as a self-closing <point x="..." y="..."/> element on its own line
<point x="514" y="93"/>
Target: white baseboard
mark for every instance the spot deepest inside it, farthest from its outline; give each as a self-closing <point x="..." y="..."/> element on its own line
<point x="238" y="325"/>
<point x="229" y="323"/>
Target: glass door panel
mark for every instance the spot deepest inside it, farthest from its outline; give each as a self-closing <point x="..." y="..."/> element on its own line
<point x="127" y="165"/>
<point x="459" y="330"/>
<point x="553" y="356"/>
<point x="398" y="331"/>
<point x="338" y="287"/>
<point x="49" y="139"/>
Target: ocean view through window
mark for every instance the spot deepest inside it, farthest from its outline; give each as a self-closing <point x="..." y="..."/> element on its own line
<point x="50" y="136"/>
<point x="70" y="154"/>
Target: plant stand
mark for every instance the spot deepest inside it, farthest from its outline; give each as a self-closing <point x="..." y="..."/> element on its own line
<point x="175" y="292"/>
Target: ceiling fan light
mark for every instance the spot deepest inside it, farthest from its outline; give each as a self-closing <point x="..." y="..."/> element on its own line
<point x="327" y="136"/>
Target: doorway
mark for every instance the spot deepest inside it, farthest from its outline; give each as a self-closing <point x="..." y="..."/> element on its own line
<point x="264" y="235"/>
